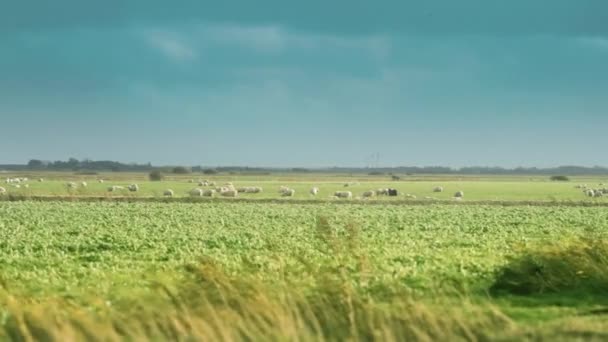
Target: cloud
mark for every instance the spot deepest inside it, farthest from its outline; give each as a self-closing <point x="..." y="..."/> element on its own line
<point x="514" y="17"/>
<point x="171" y="45"/>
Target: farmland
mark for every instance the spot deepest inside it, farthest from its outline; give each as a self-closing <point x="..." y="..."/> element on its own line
<point x="485" y="188"/>
<point x="312" y="270"/>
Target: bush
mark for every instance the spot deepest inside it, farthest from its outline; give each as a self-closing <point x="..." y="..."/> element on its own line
<point x="395" y="178"/>
<point x="576" y="265"/>
<point x="210" y="171"/>
<point x="181" y="170"/>
<point x="155" y="176"/>
<point x="560" y="178"/>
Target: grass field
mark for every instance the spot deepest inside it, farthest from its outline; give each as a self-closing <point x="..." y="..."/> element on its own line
<point x="305" y="270"/>
<point x="486" y="188"/>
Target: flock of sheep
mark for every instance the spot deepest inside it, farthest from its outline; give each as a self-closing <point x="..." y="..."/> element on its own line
<point x="209" y="189"/>
<point x="590" y="192"/>
<point x="229" y="190"/>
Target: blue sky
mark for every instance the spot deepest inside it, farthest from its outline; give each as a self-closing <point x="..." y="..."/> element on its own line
<point x="309" y="83"/>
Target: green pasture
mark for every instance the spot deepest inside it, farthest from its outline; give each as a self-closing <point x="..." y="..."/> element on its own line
<point x="487" y="188"/>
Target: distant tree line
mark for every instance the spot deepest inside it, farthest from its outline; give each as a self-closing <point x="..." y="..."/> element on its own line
<point x="86" y="165"/>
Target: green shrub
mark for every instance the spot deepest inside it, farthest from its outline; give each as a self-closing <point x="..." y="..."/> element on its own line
<point x="560" y="178"/>
<point x="576" y="265"/>
<point x="155" y="176"/>
<point x="181" y="170"/>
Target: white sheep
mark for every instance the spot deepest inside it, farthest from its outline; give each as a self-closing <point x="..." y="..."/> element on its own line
<point x="133" y="187"/>
<point x="410" y="196"/>
<point x="168" y="193"/>
<point x="343" y="194"/>
<point x="314" y="191"/>
<point x="100" y="181"/>
<point x="84" y="184"/>
<point x="71" y="185"/>
<point x="382" y="192"/>
<point x="459" y="194"/>
<point x="114" y="188"/>
<point x="288" y="192"/>
<point x="26" y="186"/>
<point x="369" y="193"/>
<point x="253" y="189"/>
<point x="230" y="193"/>
<point x="438" y="189"/>
<point x="40" y="180"/>
<point x="2" y="191"/>
<point x="196" y="192"/>
<point x="209" y="193"/>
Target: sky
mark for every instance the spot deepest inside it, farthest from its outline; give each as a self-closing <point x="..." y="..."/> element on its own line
<point x="305" y="84"/>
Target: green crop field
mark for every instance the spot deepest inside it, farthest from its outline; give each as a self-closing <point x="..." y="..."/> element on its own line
<point x="222" y="270"/>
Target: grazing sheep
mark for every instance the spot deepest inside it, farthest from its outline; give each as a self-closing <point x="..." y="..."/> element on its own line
<point x="114" y="188"/>
<point x="190" y="180"/>
<point x="16" y="186"/>
<point x="598" y="194"/>
<point x="590" y="193"/>
<point x="84" y="184"/>
<point x="224" y="189"/>
<point x="71" y="185"/>
<point x="380" y="192"/>
<point x="282" y="189"/>
<point x="100" y="181"/>
<point x="410" y="196"/>
<point x="459" y="194"/>
<point x="368" y="194"/>
<point x="253" y="189"/>
<point x="26" y="186"/>
<point x="241" y="189"/>
<point x="168" y="193"/>
<point x="343" y="194"/>
<point x="40" y="180"/>
<point x="211" y="183"/>
<point x="133" y="187"/>
<point x="392" y="192"/>
<point x="205" y="183"/>
<point x="230" y="193"/>
<point x="196" y="192"/>
<point x="438" y="189"/>
<point x="314" y="191"/>
<point x="209" y="193"/>
<point x="2" y="191"/>
<point x="288" y="192"/>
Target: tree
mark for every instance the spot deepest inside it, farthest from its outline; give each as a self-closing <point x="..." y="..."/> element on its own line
<point x="181" y="170"/>
<point x="35" y="164"/>
<point x="210" y="171"/>
<point x="155" y="176"/>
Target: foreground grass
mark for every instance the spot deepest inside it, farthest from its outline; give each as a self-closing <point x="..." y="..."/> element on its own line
<point x="247" y="271"/>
